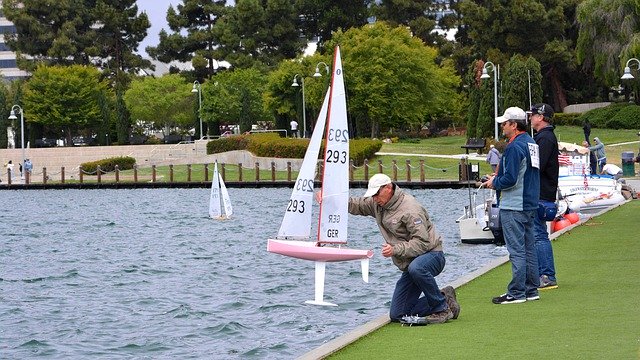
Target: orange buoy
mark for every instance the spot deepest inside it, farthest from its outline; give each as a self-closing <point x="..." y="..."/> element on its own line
<point x="561" y="224"/>
<point x="572" y="217"/>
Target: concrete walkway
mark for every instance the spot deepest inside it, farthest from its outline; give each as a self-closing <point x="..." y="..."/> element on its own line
<point x="54" y="159"/>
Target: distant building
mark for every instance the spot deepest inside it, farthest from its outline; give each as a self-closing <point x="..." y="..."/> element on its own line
<point x="8" y="66"/>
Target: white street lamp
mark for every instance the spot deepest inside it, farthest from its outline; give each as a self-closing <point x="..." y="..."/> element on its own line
<point x="627" y="69"/>
<point x="317" y="73"/>
<point x="12" y="116"/>
<point x="197" y="88"/>
<point x="304" y="113"/>
<point x="485" y="75"/>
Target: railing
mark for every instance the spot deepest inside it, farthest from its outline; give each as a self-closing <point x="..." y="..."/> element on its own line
<point x="198" y="173"/>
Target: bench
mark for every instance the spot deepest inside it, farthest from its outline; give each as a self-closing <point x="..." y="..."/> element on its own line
<point x="474" y="143"/>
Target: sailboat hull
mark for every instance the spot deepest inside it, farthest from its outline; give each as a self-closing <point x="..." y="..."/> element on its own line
<point x="308" y="250"/>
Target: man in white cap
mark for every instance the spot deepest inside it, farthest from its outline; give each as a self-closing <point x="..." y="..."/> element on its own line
<point x="414" y="246"/>
<point x="518" y="189"/>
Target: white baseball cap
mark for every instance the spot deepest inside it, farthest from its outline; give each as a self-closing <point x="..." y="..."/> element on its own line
<point x="375" y="183"/>
<point x="514" y="114"/>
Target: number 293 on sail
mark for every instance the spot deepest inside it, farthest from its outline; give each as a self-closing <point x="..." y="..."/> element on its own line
<point x="304" y="185"/>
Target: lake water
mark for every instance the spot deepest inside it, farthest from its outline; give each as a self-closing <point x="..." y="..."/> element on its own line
<point x="145" y="274"/>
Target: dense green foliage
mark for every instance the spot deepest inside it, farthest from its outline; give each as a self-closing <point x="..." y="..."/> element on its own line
<point x="402" y="87"/>
<point x="108" y="165"/>
<point x="272" y="145"/>
<point x="516" y="86"/>
<point x="235" y="97"/>
<point x="614" y="116"/>
<point x="567" y="119"/>
<point x="161" y="103"/>
<point x="66" y="98"/>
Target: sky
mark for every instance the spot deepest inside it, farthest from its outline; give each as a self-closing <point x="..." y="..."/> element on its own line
<point x="157" y="12"/>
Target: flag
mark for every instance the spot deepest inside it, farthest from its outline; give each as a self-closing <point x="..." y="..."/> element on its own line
<point x="564" y="160"/>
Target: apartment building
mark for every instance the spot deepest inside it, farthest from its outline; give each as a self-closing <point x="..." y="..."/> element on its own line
<point x="8" y="67"/>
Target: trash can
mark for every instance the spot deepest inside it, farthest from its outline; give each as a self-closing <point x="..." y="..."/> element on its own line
<point x="473" y="172"/>
<point x="628" y="166"/>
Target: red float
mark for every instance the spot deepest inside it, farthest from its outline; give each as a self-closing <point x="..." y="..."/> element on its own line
<point x="561" y="224"/>
<point x="572" y="217"/>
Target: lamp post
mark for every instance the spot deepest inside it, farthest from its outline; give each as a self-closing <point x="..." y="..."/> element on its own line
<point x="12" y="116"/>
<point x="197" y="88"/>
<point x="317" y="73"/>
<point x="627" y="69"/>
<point x="485" y="75"/>
<point x="304" y="114"/>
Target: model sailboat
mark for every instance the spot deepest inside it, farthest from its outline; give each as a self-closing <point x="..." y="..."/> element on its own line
<point x="219" y="198"/>
<point x="294" y="235"/>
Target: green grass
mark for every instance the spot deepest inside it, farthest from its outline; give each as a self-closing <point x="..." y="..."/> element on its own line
<point x="593" y="315"/>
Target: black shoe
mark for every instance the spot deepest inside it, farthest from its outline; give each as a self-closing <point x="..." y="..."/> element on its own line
<point x="507" y="299"/>
<point x="450" y="295"/>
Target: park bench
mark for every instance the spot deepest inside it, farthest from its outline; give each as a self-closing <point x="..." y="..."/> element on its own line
<point x="474" y="143"/>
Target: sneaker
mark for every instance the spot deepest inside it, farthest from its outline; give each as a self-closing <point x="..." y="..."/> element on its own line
<point x="440" y="317"/>
<point x="411" y="320"/>
<point x="533" y="297"/>
<point x="450" y="295"/>
<point x="507" y="299"/>
<point x="546" y="283"/>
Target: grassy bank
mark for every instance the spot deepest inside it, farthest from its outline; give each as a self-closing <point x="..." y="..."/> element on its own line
<point x="593" y="315"/>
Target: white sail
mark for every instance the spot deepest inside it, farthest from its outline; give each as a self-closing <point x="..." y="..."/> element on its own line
<point x="226" y="201"/>
<point x="215" y="209"/>
<point x="335" y="178"/>
<point x="296" y="223"/>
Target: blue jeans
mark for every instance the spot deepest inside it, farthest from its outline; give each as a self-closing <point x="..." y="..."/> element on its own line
<point x="601" y="163"/>
<point x="517" y="227"/>
<point x="419" y="279"/>
<point x="544" y="249"/>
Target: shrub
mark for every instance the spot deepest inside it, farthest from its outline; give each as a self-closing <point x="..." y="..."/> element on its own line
<point x="108" y="165"/>
<point x="272" y="145"/>
<point x="627" y="118"/>
<point x="599" y="117"/>
<point x="234" y="142"/>
<point x="567" y="119"/>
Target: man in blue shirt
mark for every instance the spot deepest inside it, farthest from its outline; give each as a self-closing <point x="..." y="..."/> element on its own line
<point x="518" y="188"/>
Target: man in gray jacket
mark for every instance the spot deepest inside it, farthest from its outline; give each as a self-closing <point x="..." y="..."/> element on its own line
<point x="414" y="247"/>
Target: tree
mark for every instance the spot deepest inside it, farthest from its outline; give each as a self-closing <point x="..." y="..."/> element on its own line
<point x="284" y="101"/>
<point x="105" y="33"/>
<point x="541" y="28"/>
<point x="235" y="97"/>
<point x="515" y="89"/>
<point x="609" y="35"/>
<point x="54" y="31"/>
<point x="166" y="102"/>
<point x="320" y="18"/>
<point x="196" y="18"/>
<point x="473" y="86"/>
<point x="65" y="98"/>
<point x="258" y="33"/>
<point x="392" y="79"/>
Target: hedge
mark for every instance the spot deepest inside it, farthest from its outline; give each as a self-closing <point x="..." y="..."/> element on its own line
<point x="109" y="164"/>
<point x="599" y="118"/>
<point x="272" y="145"/>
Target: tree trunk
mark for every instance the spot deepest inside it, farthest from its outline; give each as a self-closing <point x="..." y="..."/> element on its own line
<point x="559" y="96"/>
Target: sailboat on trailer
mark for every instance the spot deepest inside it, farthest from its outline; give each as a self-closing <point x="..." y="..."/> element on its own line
<point x="294" y="235"/>
<point x="219" y="198"/>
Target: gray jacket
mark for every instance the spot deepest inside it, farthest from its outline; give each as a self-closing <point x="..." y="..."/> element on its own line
<point x="598" y="149"/>
<point x="404" y="224"/>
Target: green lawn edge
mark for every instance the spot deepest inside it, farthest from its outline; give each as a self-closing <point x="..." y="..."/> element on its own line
<point x="594" y="314"/>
